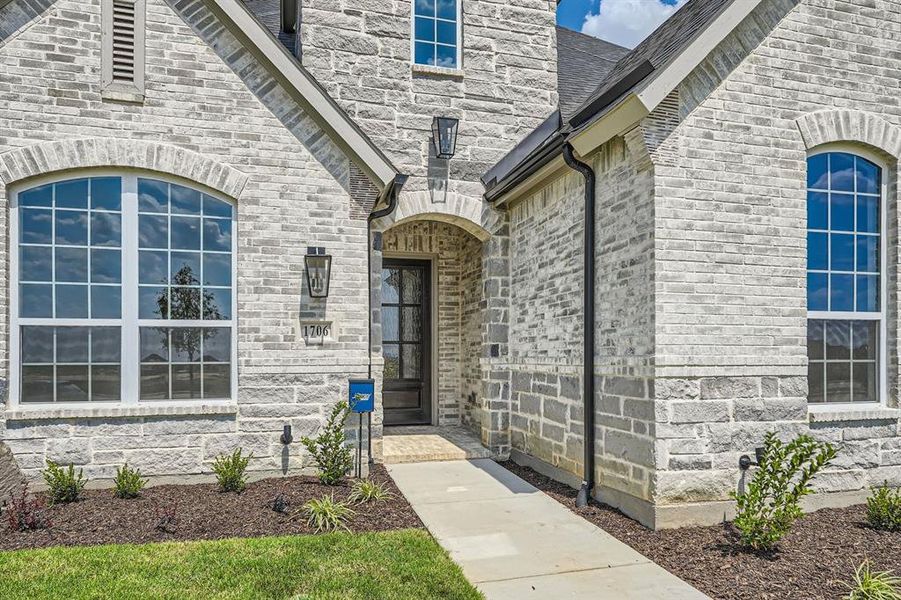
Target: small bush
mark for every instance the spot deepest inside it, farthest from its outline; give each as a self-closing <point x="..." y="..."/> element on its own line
<point x="325" y="514"/>
<point x="328" y="449"/>
<point x="230" y="469"/>
<point x="65" y="485"/>
<point x="766" y="511"/>
<point x="867" y="585"/>
<point x="25" y="512"/>
<point x="365" y="490"/>
<point x="129" y="482"/>
<point x="884" y="508"/>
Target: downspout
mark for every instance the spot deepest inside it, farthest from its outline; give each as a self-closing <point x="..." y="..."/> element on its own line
<point x="588" y="324"/>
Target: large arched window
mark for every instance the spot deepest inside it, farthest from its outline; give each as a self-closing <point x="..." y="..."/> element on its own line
<point x="845" y="279"/>
<point x="123" y="292"/>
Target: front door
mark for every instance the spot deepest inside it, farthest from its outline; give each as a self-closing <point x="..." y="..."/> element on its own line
<point x="406" y="343"/>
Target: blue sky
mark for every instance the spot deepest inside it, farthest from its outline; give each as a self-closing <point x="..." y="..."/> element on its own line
<point x="623" y="22"/>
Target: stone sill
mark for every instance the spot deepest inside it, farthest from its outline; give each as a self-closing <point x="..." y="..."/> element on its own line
<point x="94" y="412"/>
<point x="862" y="414"/>
<point x="439" y="71"/>
<point x="122" y="93"/>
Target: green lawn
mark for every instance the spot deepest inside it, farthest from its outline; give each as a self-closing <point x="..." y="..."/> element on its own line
<point x="400" y="564"/>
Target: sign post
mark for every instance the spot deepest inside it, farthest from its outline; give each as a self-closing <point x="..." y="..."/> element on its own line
<point x="361" y="400"/>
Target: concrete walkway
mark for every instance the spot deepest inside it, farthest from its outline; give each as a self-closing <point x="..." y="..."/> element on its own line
<point x="515" y="542"/>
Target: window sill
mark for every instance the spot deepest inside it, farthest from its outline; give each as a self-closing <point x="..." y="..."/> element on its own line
<point x="122" y="93"/>
<point x="840" y="415"/>
<point x="439" y="71"/>
<point x="42" y="413"/>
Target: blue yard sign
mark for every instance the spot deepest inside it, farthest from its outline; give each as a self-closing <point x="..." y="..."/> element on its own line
<point x="361" y="395"/>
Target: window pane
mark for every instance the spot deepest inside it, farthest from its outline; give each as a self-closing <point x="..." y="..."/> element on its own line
<point x="868" y="253"/>
<point x="838" y="340"/>
<point x="36" y="263"/>
<point x="153" y="196"/>
<point x="424" y="53"/>
<point x="217" y="345"/>
<point x="217" y="381"/>
<point x="815" y="340"/>
<point x="106" y="266"/>
<point x="817" y="291"/>
<point x="71" y="227"/>
<point x="185" y="303"/>
<point x="865" y="383"/>
<point x="36" y="226"/>
<point x="391" y="286"/>
<point x="412" y="324"/>
<point x="818" y="172"/>
<point x="154" y="382"/>
<point x="106" y="383"/>
<point x="71" y="383"/>
<point x="425" y="30"/>
<point x="817" y="210"/>
<point x="217" y="304"/>
<point x="841" y="292"/>
<point x="865" y="339"/>
<point x="106" y="193"/>
<point x="447" y="9"/>
<point x="153" y="231"/>
<point x="425" y="8"/>
<point x="106" y="302"/>
<point x="842" y="252"/>
<point x="842" y="212"/>
<point x="868" y="214"/>
<point x="71" y="301"/>
<point x="412" y="286"/>
<point x="838" y="382"/>
<point x="36" y="301"/>
<point x="447" y="33"/>
<point x="392" y="360"/>
<point x="185" y="200"/>
<point x="185" y="344"/>
<point x="185" y="268"/>
<point x="72" y="344"/>
<point x="390" y="323"/>
<point x="186" y="382"/>
<point x="817" y="251"/>
<point x="213" y="207"/>
<point x="152" y="267"/>
<point x="217" y="269"/>
<point x="106" y="344"/>
<point x="446" y="56"/>
<point x="153" y="303"/>
<point x="39" y="196"/>
<point x="37" y="384"/>
<point x="72" y="194"/>
<point x="867" y="177"/>
<point x="841" y="172"/>
<point x="815" y="374"/>
<point x="867" y="293"/>
<point x="72" y="264"/>
<point x="412" y="357"/>
<point x="37" y="345"/>
<point x="186" y="233"/>
<point x="106" y="229"/>
<point x="217" y="234"/>
<point x="154" y="344"/>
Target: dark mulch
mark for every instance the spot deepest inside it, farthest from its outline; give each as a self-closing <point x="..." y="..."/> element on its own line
<point x="202" y="512"/>
<point x="822" y="549"/>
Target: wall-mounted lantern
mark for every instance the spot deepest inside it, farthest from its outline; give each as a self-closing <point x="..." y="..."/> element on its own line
<point x="444" y="136"/>
<point x="319" y="269"/>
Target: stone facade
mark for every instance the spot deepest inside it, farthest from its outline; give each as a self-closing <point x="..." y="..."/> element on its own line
<point x="272" y="160"/>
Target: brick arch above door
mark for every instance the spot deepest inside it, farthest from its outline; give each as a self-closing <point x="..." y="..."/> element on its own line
<point x="49" y="157"/>
<point x="466" y="212"/>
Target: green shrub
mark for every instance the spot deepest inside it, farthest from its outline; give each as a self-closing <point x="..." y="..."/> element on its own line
<point x="64" y="484"/>
<point x="325" y="514"/>
<point x="328" y="449"/>
<point x="230" y="469"/>
<point x="884" y="508"/>
<point x="365" y="490"/>
<point x="772" y="502"/>
<point x="129" y="482"/>
<point x="867" y="585"/>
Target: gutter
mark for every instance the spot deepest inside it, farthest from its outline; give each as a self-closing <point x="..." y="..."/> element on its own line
<point x="588" y="273"/>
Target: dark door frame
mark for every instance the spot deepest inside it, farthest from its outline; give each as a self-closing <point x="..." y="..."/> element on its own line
<point x="426" y="383"/>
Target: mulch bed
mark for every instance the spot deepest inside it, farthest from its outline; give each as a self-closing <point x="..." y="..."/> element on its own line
<point x="821" y="550"/>
<point x="202" y="512"/>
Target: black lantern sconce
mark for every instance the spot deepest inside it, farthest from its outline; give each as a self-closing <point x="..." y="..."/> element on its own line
<point x="319" y="269"/>
<point x="444" y="136"/>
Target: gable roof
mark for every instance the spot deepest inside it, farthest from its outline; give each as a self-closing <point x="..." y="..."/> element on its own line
<point x="269" y="13"/>
<point x="633" y="88"/>
<point x="583" y="62"/>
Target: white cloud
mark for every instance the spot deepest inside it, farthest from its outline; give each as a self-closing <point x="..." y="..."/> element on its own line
<point x="627" y="22"/>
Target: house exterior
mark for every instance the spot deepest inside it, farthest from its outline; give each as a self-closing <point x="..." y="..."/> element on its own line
<point x="167" y="166"/>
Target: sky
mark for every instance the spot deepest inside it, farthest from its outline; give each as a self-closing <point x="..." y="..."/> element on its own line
<point x="623" y="22"/>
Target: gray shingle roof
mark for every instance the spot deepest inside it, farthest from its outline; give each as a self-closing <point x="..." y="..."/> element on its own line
<point x="583" y="61"/>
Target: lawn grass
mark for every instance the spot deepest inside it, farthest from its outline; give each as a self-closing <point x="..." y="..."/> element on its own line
<point x="399" y="564"/>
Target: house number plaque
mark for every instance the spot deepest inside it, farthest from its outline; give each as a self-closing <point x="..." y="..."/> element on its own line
<point x="318" y="332"/>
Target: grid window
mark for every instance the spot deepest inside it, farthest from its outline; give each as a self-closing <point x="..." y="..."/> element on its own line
<point x="106" y="260"/>
<point x="435" y="33"/>
<point x="844" y="258"/>
<point x="402" y="297"/>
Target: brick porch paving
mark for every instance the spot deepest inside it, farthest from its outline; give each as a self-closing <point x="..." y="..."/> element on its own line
<point x="425" y="443"/>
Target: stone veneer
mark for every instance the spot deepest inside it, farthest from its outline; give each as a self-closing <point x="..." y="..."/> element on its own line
<point x="274" y="161"/>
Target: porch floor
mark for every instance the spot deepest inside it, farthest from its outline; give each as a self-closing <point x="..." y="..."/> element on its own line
<point x="427" y="443"/>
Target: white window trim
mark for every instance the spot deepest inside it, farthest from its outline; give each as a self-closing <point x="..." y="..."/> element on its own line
<point x="109" y="89"/>
<point x="130" y="324"/>
<point x="882" y="316"/>
<point x="436" y="69"/>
